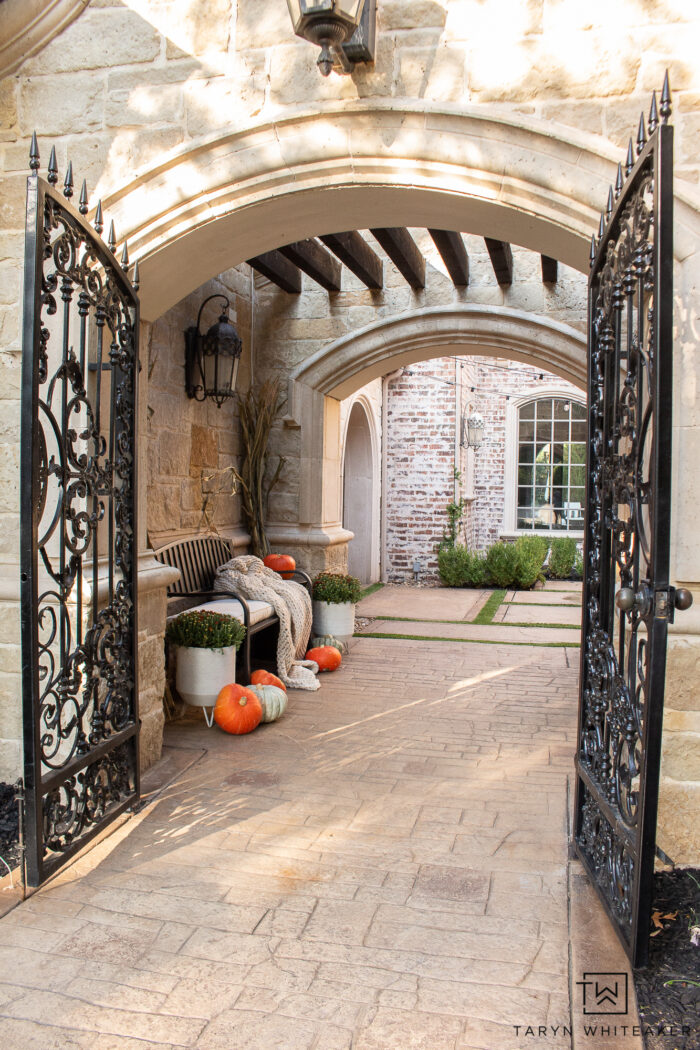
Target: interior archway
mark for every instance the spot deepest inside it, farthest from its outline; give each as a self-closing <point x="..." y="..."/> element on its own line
<point x="360" y="495"/>
<point x="347" y="364"/>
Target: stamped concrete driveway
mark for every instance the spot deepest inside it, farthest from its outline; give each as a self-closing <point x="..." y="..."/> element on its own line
<point x="382" y="869"/>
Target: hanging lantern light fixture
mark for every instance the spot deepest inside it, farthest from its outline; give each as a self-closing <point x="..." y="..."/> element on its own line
<point x="211" y="360"/>
<point x="343" y="29"/>
<point x="473" y="430"/>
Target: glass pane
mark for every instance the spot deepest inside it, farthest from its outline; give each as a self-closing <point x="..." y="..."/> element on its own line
<point x="526" y="453"/>
<point x="544" y="408"/>
<point x="525" y="520"/>
<point x="578" y="431"/>
<point x="541" y="495"/>
<point x="525" y="475"/>
<point x="578" y="452"/>
<point x="561" y="432"/>
<point x="527" y="430"/>
<point x="578" y="411"/>
<point x="560" y="476"/>
<point x="542" y="474"/>
<point x="544" y="430"/>
<point x="577" y="495"/>
<point x="542" y="453"/>
<point x="524" y="494"/>
<point x="528" y="411"/>
<point x="578" y="475"/>
<point x="561" y="408"/>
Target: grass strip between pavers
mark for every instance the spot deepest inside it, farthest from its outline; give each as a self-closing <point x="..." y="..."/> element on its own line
<point x="469" y="623"/>
<point x="469" y="641"/>
<point x="371" y="589"/>
<point x="489" y="608"/>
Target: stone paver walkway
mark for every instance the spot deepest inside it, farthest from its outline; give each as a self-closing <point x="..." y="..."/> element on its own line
<point x="385" y="868"/>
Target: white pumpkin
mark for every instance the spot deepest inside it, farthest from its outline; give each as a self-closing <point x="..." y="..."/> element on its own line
<point x="273" y="700"/>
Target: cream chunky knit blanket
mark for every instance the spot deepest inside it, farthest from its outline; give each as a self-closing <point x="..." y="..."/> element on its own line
<point x="250" y="578"/>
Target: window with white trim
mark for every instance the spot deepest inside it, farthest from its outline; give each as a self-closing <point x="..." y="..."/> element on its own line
<point x="551" y="465"/>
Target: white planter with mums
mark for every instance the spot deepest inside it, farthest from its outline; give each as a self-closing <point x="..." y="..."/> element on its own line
<point x="336" y="618"/>
<point x="201" y="674"/>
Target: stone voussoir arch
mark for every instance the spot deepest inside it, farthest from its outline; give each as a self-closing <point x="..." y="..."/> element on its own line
<point x="228" y="197"/>
<point x="347" y="364"/>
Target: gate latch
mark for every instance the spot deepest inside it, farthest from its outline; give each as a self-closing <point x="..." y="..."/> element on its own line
<point x="666" y="602"/>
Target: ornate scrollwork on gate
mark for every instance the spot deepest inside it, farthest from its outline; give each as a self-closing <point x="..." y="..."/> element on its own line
<point x="80" y="368"/>
<point x="626" y="555"/>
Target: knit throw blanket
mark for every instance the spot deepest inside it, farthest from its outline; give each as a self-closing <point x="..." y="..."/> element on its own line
<point x="250" y="578"/>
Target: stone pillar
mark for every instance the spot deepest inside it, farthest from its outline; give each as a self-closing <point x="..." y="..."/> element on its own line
<point x="318" y="541"/>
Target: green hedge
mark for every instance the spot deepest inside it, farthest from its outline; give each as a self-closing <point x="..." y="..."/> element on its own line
<point x="504" y="565"/>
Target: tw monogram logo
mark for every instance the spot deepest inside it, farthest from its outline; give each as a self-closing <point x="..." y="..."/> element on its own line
<point x="604" y="993"/>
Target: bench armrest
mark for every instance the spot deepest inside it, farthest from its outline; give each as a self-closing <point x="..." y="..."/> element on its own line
<point x="219" y="594"/>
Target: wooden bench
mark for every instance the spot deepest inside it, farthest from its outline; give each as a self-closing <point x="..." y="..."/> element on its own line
<point x="197" y="559"/>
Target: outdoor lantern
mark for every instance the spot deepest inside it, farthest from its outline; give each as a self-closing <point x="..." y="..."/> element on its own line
<point x="211" y="360"/>
<point x="341" y="28"/>
<point x="473" y="430"/>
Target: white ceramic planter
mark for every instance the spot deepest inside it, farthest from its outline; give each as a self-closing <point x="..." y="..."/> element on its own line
<point x="333" y="618"/>
<point x="201" y="674"/>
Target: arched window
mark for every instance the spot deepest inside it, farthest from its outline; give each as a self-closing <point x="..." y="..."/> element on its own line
<point x="546" y="482"/>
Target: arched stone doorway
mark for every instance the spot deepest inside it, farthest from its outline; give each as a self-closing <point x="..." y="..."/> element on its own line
<point x="361" y="504"/>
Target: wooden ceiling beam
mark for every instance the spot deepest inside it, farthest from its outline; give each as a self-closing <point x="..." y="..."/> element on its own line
<point x="278" y="270"/>
<point x="354" y="251"/>
<point x="404" y="253"/>
<point x="314" y="260"/>
<point x="501" y="260"/>
<point x="454" y="255"/>
<point x="550" y="270"/>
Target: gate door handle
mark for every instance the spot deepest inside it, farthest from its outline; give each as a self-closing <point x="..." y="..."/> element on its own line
<point x="627" y="599"/>
<point x="682" y="598"/>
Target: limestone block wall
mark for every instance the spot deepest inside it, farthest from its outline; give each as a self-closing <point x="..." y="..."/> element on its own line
<point x="191" y="444"/>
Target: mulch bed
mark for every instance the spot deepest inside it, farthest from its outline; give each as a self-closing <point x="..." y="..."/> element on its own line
<point x="668" y="990"/>
<point x="9" y="828"/>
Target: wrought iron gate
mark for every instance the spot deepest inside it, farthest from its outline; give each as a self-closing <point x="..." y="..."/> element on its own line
<point x="78" y="526"/>
<point x="627" y="599"/>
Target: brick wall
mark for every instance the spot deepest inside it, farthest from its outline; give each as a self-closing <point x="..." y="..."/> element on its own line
<point x="420" y="434"/>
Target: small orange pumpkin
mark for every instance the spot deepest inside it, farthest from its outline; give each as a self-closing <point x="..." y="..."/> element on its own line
<point x="284" y="564"/>
<point x="326" y="656"/>
<point x="238" y="710"/>
<point x="267" y="678"/>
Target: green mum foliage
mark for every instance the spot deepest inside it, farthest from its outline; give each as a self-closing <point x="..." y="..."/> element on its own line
<point x="204" y="629"/>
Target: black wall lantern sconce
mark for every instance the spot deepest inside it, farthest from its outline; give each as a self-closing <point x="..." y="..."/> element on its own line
<point x="211" y="360"/>
<point x="344" y="30"/>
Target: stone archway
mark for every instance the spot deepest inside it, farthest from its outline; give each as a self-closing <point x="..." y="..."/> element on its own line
<point x="226" y="198"/>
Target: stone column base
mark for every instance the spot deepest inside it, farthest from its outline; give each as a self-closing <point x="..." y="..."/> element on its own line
<point x="315" y="547"/>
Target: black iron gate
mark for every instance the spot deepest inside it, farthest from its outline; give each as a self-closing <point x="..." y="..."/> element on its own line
<point x="627" y="599"/>
<point x="78" y="526"/>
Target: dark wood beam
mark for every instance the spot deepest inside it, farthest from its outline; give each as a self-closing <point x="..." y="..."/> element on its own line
<point x="313" y="259"/>
<point x="454" y="255"/>
<point x="404" y="253"/>
<point x="278" y="270"/>
<point x="501" y="260"/>
<point x="550" y="269"/>
<point x="353" y="250"/>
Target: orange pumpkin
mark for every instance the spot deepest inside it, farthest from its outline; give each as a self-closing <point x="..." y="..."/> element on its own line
<point x="267" y="678"/>
<point x="326" y="656"/>
<point x="284" y="564"/>
<point x="238" y="710"/>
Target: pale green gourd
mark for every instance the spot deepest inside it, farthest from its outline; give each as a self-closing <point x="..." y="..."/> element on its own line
<point x="273" y="700"/>
<point x="328" y="639"/>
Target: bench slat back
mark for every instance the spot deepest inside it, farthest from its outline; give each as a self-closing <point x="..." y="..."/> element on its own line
<point x="197" y="559"/>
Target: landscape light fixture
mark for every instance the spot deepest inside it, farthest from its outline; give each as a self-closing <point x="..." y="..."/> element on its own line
<point x="345" y="30"/>
<point x="473" y="430"/>
<point x="211" y="360"/>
